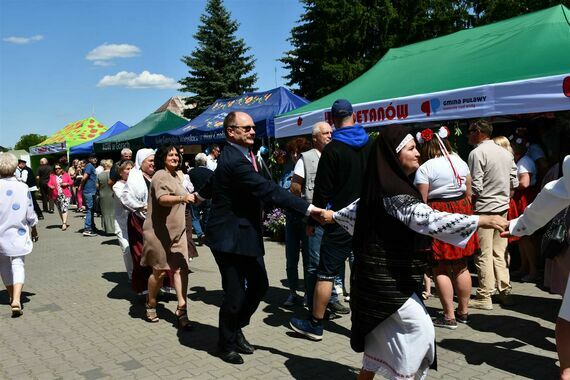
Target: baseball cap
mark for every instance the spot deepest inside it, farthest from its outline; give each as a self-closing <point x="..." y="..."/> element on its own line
<point x="341" y="108"/>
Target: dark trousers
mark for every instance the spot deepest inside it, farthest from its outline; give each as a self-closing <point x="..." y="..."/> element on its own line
<point x="244" y="281"/>
<point x="47" y="202"/>
<point x="37" y="208"/>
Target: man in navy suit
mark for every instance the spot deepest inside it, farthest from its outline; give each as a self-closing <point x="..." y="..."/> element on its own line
<point x="234" y="231"/>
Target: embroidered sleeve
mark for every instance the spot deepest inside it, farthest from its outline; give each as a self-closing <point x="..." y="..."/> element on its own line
<point x="346" y="217"/>
<point x="454" y="229"/>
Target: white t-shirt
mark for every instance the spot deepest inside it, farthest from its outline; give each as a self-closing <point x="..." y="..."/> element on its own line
<point x="211" y="163"/>
<point x="526" y="165"/>
<point x="300" y="166"/>
<point x="437" y="173"/>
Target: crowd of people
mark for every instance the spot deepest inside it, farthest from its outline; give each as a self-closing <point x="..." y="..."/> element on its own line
<point x="401" y="209"/>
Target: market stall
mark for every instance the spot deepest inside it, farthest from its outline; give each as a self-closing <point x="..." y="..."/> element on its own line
<point x="517" y="66"/>
<point x="133" y="138"/>
<point x="207" y="127"/>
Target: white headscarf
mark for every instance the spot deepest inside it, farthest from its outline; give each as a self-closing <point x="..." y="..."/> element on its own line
<point x="142" y="155"/>
<point x="135" y="193"/>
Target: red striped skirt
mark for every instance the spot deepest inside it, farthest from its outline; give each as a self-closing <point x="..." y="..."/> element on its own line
<point x="447" y="252"/>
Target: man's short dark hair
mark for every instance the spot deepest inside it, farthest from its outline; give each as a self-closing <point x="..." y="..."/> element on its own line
<point x="229" y="121"/>
<point x="484" y="126"/>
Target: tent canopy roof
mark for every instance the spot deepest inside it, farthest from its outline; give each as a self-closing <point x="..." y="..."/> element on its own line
<point x="525" y="47"/>
<point x="261" y="106"/>
<point x="155" y="122"/>
<point x="76" y="133"/>
<point x="87" y="147"/>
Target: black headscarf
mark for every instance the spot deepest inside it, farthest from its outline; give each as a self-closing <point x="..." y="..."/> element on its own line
<point x="389" y="258"/>
<point x="385" y="177"/>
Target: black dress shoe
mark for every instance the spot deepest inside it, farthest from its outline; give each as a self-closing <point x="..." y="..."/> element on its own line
<point x="242" y="345"/>
<point x="231" y="357"/>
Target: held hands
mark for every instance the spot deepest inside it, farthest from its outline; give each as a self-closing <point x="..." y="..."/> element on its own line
<point x="495" y="222"/>
<point x="322" y="216"/>
<point x="506" y="233"/>
<point x="327" y="217"/>
<point x="190" y="198"/>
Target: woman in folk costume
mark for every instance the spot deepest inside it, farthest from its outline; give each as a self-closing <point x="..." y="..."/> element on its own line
<point x="444" y="182"/>
<point x="393" y="230"/>
<point x="134" y="197"/>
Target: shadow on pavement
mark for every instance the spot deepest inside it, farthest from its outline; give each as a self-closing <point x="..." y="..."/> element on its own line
<point x="538" y="307"/>
<point x="529" y="332"/>
<point x="202" y="337"/>
<point x="301" y="367"/>
<point x="110" y="242"/>
<point x="209" y="297"/>
<point x="503" y="356"/>
<point x="5" y="298"/>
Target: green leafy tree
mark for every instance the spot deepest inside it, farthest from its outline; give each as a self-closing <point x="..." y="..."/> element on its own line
<point x="488" y="11"/>
<point x="219" y="66"/>
<point x="336" y="41"/>
<point x="26" y="141"/>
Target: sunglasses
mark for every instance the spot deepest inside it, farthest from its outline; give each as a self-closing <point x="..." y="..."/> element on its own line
<point x="57" y="168"/>
<point x="246" y="128"/>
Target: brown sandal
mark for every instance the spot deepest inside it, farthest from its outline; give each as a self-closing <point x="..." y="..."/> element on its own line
<point x="16" y="310"/>
<point x="182" y="316"/>
<point x="150" y="315"/>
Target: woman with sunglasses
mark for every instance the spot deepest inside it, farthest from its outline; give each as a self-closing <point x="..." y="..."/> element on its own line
<point x="60" y="186"/>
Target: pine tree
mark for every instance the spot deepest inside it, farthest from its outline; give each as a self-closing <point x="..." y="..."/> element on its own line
<point x="219" y="66"/>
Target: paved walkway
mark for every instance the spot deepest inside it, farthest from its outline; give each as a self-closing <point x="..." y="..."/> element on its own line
<point x="81" y="321"/>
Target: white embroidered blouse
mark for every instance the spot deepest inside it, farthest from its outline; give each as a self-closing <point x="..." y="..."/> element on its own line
<point x="454" y="229"/>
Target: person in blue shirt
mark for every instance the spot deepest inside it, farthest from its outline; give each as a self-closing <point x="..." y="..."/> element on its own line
<point x="89" y="184"/>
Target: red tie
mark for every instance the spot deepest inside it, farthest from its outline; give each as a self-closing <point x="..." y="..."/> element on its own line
<point x="253" y="160"/>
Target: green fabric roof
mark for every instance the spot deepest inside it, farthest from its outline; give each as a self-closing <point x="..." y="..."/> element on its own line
<point x="134" y="136"/>
<point x="529" y="46"/>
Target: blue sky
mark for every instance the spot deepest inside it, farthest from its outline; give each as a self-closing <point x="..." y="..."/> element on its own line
<point x="60" y="60"/>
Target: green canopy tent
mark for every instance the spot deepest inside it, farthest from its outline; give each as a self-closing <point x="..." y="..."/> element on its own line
<point x="133" y="137"/>
<point x="520" y="65"/>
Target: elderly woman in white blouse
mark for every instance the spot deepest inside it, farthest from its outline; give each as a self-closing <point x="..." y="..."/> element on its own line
<point x="17" y="230"/>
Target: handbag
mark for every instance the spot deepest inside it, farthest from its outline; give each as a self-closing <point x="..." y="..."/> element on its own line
<point x="97" y="203"/>
<point x="554" y="241"/>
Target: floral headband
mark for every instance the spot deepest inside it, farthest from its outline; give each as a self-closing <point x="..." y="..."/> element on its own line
<point x="427" y="134"/>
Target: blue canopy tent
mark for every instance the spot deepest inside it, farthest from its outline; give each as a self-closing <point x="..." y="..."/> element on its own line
<point x="207" y="127"/>
<point x="87" y="147"/>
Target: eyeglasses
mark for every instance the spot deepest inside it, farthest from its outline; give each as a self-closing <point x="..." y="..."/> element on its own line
<point x="246" y="128"/>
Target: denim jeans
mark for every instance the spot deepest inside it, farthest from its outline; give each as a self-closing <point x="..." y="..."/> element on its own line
<point x="311" y="265"/>
<point x="89" y="217"/>
<point x="203" y="207"/>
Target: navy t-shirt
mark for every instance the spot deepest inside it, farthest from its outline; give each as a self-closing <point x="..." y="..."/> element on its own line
<point x="91" y="183"/>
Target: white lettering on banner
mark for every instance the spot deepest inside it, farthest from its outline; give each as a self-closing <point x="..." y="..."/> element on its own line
<point x="518" y="97"/>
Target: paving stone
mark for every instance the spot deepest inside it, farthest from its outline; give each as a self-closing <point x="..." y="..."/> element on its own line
<point x="81" y="321"/>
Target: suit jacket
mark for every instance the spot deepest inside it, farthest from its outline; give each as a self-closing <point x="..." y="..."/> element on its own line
<point x="238" y="193"/>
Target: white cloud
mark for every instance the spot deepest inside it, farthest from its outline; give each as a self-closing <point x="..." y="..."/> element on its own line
<point x="103" y="63"/>
<point x="23" y="40"/>
<point x="134" y="80"/>
<point x="107" y="52"/>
